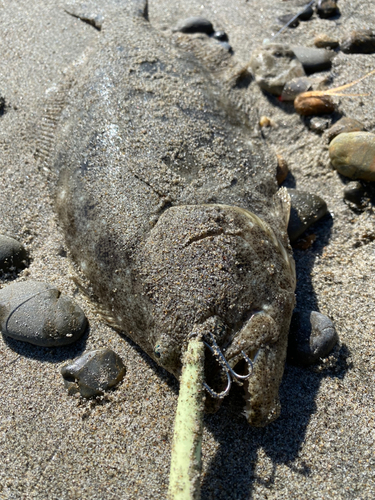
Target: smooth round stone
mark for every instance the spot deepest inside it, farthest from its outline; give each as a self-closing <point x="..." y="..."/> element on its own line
<point x="226" y="46"/>
<point x="195" y="25"/>
<point x="274" y="65"/>
<point x="37" y="313"/>
<point x="359" y="42"/>
<point x="306" y="14"/>
<point x="327" y="8"/>
<point x="343" y="126"/>
<point x="295" y="87"/>
<point x="356" y="193"/>
<point x="93" y="373"/>
<point x="221" y="36"/>
<point x="314" y="105"/>
<point x="323" y="41"/>
<point x="12" y="254"/>
<point x="306" y="208"/>
<point x="312" y="336"/>
<point x="353" y="155"/>
<point x="313" y="59"/>
<point x="282" y="170"/>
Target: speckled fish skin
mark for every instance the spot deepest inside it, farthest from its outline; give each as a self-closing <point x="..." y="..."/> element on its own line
<point x="157" y="179"/>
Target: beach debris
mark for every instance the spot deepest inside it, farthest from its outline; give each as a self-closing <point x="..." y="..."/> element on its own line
<point x="195" y="25"/>
<point x="312" y="336"/>
<point x="343" y="126"/>
<point x="36" y="312"/>
<point x="324" y="41"/>
<point x="359" y="42"/>
<point x="353" y="155"/>
<point x="93" y="373"/>
<point x="306" y="208"/>
<point x="13" y="254"/>
<point x="313" y="59"/>
<point x="274" y="65"/>
<point x="167" y="240"/>
<point x="327" y="8"/>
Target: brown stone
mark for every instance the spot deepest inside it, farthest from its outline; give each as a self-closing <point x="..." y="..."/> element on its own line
<point x="282" y="169"/>
<point x="324" y="41"/>
<point x="307" y="105"/>
<point x="343" y="126"/>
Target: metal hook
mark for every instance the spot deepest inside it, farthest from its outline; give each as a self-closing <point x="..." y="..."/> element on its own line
<point x="231" y="374"/>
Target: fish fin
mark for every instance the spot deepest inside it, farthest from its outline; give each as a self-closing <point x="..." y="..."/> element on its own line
<point x="282" y="204"/>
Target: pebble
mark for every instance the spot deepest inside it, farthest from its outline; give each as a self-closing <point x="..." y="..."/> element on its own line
<point x="282" y="169"/>
<point x="323" y="41"/>
<point x="306" y="14"/>
<point x="274" y="65"/>
<point x="353" y="155"/>
<point x="221" y="36"/>
<point x="359" y="42"/>
<point x="307" y="105"/>
<point x="312" y="336"/>
<point x="313" y="59"/>
<point x="356" y="193"/>
<point x="12" y="254"/>
<point x="226" y="46"/>
<point x="327" y="8"/>
<point x="37" y="313"/>
<point x="318" y="124"/>
<point x="343" y="126"/>
<point x="306" y="208"/>
<point x="295" y="87"/>
<point x="93" y="373"/>
<point x="195" y="25"/>
<point x="286" y="18"/>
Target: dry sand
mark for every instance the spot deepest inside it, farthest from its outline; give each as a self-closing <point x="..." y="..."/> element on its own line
<point x="54" y="446"/>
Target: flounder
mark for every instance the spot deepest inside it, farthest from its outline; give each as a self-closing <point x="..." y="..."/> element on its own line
<point x="169" y="205"/>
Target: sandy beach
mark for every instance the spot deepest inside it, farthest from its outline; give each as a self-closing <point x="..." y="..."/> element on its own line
<point x="55" y="446"/>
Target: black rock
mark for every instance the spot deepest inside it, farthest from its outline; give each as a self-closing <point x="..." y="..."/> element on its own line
<point x="327" y="8"/>
<point x="12" y="254"/>
<point x="306" y="14"/>
<point x="359" y="42"/>
<point x="37" y="313"/>
<point x="221" y="36"/>
<point x="312" y="336"/>
<point x="195" y="25"/>
<point x="295" y="87"/>
<point x="93" y="373"/>
<point x="306" y="208"/>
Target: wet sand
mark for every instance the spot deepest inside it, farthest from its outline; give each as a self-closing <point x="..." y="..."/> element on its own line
<point x="56" y="446"/>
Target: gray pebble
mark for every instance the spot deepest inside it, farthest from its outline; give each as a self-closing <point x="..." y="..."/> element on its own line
<point x="12" y="254"/>
<point x="318" y="124"/>
<point x="327" y="8"/>
<point x="295" y="87"/>
<point x="313" y="59"/>
<point x="306" y="208"/>
<point x="37" y="313"/>
<point x="359" y="42"/>
<point x="312" y="336"/>
<point x="93" y="373"/>
<point x="226" y="46"/>
<point x="343" y="126"/>
<point x="195" y="25"/>
<point x="356" y="193"/>
<point x="274" y="65"/>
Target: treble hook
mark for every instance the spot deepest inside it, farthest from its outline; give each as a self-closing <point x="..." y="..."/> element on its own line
<point x="231" y="374"/>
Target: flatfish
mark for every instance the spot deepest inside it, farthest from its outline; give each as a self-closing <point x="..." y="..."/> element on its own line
<point x="168" y="201"/>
